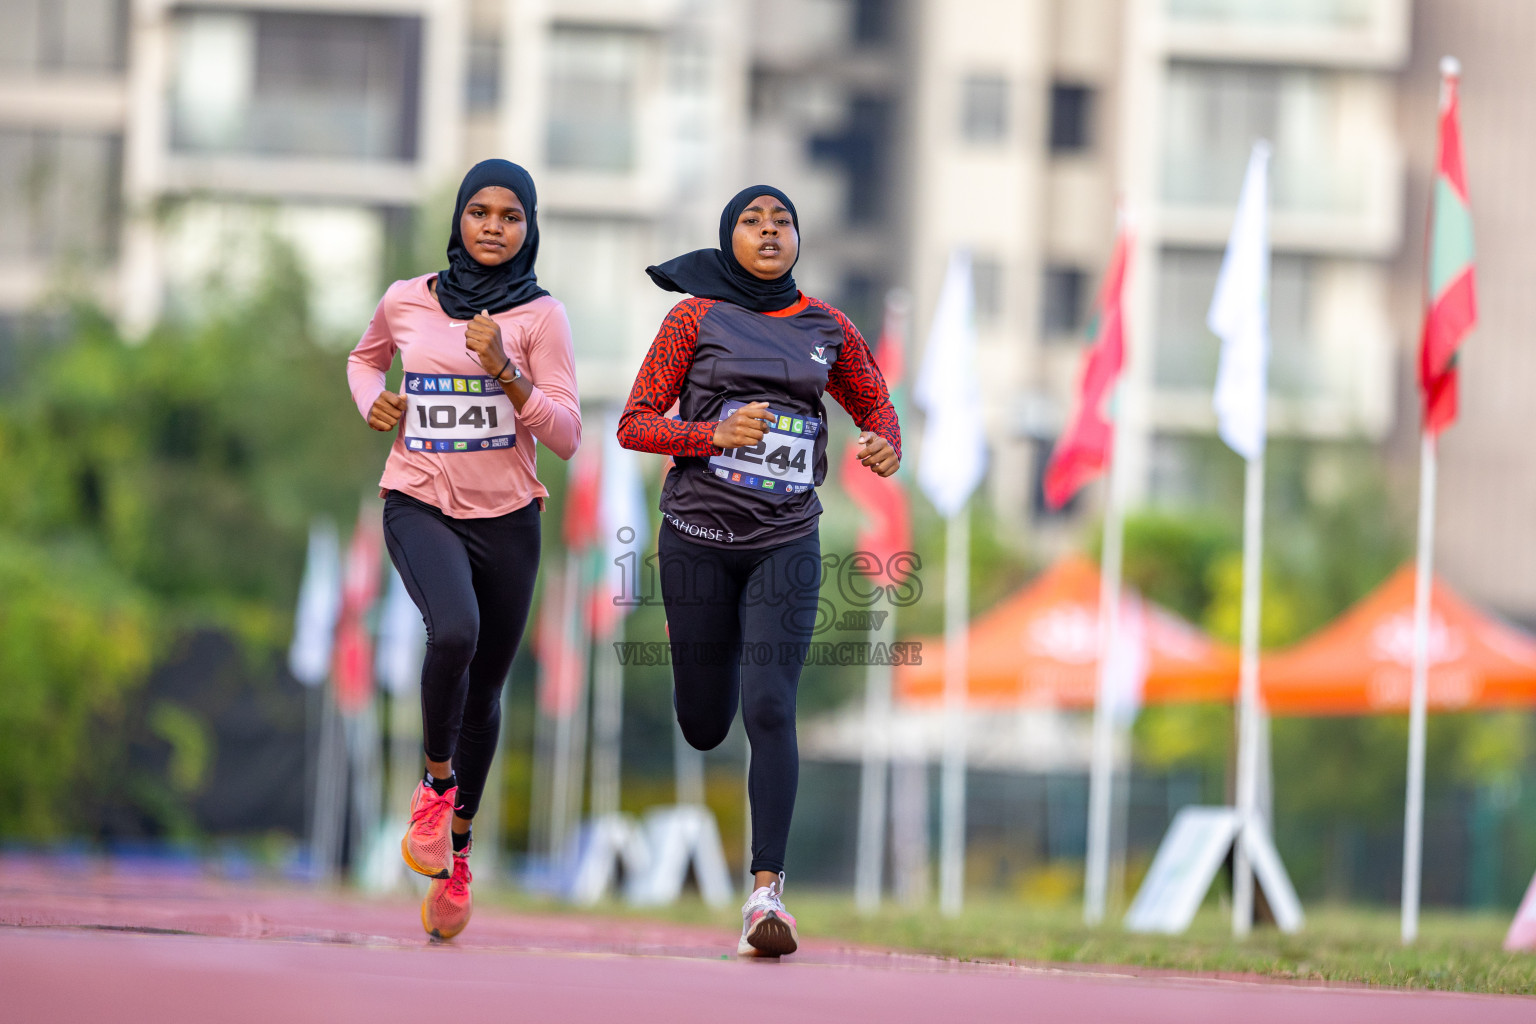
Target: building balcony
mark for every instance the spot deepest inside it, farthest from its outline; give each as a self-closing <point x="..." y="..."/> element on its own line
<point x="1336" y="172"/>
<point x="1366" y="34"/>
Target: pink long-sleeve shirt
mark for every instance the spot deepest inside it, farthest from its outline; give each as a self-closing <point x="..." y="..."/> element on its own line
<point x="471" y="484"/>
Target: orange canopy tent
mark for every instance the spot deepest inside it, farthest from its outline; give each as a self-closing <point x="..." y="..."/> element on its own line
<point x="1363" y="662"/>
<point x="1040" y="647"/>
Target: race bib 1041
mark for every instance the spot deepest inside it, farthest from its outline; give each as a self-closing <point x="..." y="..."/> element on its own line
<point x="450" y="413"/>
<point x="783" y="462"/>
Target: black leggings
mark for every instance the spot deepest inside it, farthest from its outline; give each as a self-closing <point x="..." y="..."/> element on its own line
<point x="740" y="621"/>
<point x="473" y="581"/>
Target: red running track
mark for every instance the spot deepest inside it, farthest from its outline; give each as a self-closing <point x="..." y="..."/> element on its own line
<point x="102" y="947"/>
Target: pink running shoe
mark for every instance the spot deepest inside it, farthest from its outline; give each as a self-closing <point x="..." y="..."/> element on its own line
<point x="427" y="847"/>
<point x="767" y="929"/>
<point x="446" y="908"/>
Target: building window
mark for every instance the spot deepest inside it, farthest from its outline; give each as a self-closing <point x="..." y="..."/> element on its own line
<point x="1174" y="471"/>
<point x="63" y="36"/>
<point x="593" y="99"/>
<point x="43" y="173"/>
<point x="874" y="22"/>
<point x="1063" y="293"/>
<point x="1267" y="13"/>
<point x="1071" y="118"/>
<point x="987" y="283"/>
<point x="862" y="300"/>
<point x="1215" y="113"/>
<point x="984" y="109"/>
<point x="482" y="75"/>
<point x="274" y="83"/>
<point x="590" y="262"/>
<point x="861" y="149"/>
<point x="1187" y="352"/>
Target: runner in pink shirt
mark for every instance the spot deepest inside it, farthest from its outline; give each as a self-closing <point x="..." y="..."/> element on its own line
<point x="488" y="372"/>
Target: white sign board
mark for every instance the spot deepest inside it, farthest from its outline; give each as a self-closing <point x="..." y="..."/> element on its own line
<point x="1272" y="879"/>
<point x="1186" y="864"/>
<point x="681" y="837"/>
<point x="604" y="846"/>
<point x="1522" y="931"/>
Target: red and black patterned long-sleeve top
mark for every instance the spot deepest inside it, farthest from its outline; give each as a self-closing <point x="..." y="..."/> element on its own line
<point x="710" y="355"/>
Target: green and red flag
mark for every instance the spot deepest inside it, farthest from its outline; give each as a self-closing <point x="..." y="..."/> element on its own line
<point x="1083" y="450"/>
<point x="1450" y="288"/>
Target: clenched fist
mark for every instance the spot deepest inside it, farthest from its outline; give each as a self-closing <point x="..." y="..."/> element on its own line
<point x="482" y="337"/>
<point x="386" y="412"/>
<point x="744" y="427"/>
<point x="878" y="454"/>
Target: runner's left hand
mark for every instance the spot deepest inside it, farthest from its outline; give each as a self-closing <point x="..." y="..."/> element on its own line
<point x="482" y="337"/>
<point x="876" y="453"/>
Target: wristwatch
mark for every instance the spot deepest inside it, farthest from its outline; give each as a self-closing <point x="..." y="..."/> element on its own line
<point x="516" y="375"/>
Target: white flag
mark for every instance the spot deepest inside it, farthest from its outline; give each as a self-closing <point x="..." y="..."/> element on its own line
<point x="402" y="639"/>
<point x="314" y="621"/>
<point x="948" y="390"/>
<point x="626" y="527"/>
<point x="1240" y="316"/>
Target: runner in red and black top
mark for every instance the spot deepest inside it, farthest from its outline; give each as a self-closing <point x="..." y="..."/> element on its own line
<point x="747" y="359"/>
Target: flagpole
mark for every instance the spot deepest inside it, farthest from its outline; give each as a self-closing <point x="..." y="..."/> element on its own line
<point x="952" y="466"/>
<point x="957" y="557"/>
<point x="1413" y="816"/>
<point x="576" y="789"/>
<point x="1101" y="764"/>
<point x="872" y="783"/>
<point x="564" y="677"/>
<point x="1442" y="314"/>
<point x="330" y="798"/>
<point x="607" y="723"/>
<point x="1248" y="695"/>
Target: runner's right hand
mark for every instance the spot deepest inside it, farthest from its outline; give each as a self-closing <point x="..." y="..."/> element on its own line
<point x="386" y="412"/>
<point x="744" y="427"/>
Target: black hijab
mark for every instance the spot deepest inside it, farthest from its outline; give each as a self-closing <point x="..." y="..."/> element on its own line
<point x="468" y="286"/>
<point x="716" y="274"/>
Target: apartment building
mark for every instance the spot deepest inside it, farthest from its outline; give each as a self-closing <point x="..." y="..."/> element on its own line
<point x="1203" y="79"/>
<point x="908" y="129"/>
<point x="904" y="128"/>
<point x="1015" y="131"/>
<point x="190" y="130"/>
<point x="1346" y="90"/>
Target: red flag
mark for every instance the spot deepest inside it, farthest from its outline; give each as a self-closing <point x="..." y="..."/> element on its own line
<point x="891" y="347"/>
<point x="1450" y="286"/>
<point x="581" y="497"/>
<point x="624" y="525"/>
<point x="1083" y="449"/>
<point x="887" y="527"/>
<point x="560" y="664"/>
<point x="352" y="657"/>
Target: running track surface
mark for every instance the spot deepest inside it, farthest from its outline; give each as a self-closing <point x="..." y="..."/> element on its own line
<point x="98" y="946"/>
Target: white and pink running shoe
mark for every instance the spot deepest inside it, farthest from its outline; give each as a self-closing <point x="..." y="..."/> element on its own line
<point x="767" y="929"/>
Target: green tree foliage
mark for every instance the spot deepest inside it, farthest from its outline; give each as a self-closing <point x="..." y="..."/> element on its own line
<point x="149" y="489"/>
<point x="75" y="641"/>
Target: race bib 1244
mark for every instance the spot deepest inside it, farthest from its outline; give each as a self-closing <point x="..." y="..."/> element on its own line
<point x="450" y="413"/>
<point x="783" y="462"/>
